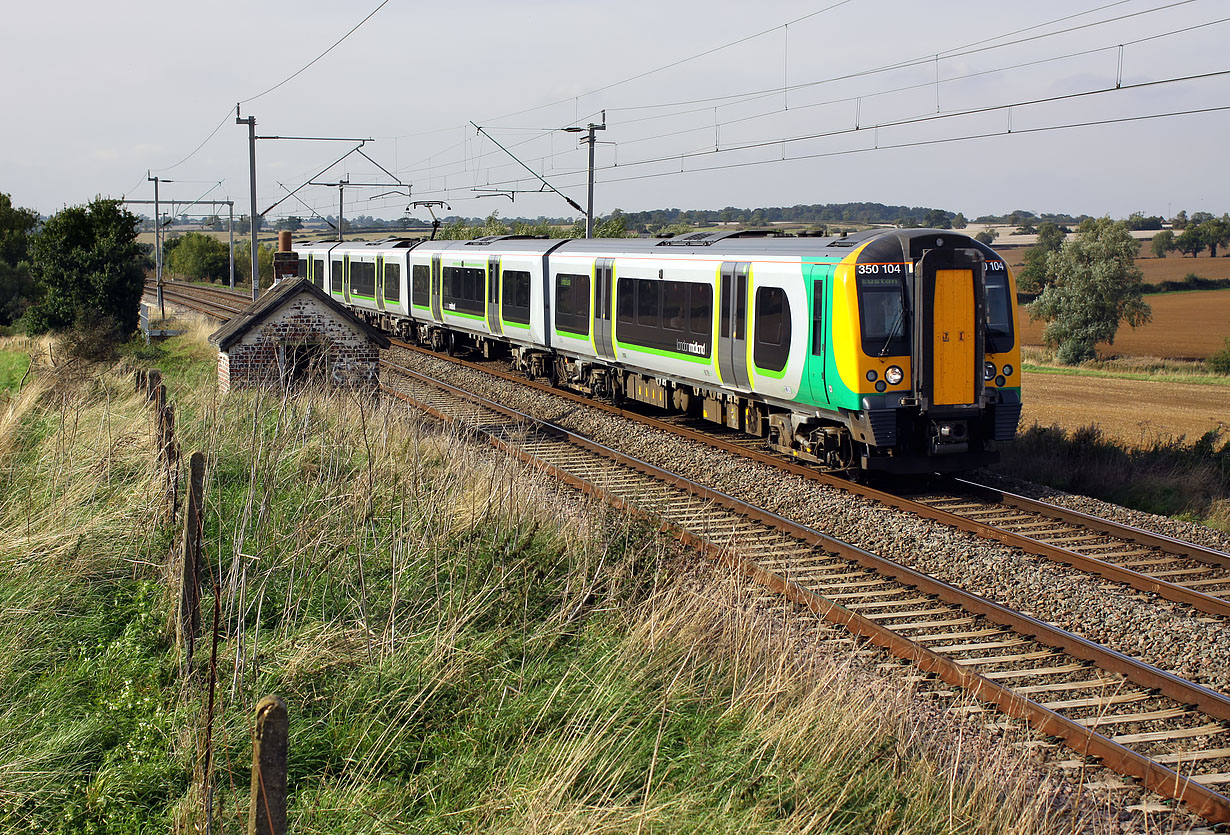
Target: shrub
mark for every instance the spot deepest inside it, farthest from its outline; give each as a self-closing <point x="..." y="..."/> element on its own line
<point x="1219" y="363"/>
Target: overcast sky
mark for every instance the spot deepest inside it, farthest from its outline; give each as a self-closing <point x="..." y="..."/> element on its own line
<point x="96" y="94"/>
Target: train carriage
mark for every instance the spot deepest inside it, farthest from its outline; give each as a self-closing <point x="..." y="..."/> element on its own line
<point x="892" y="350"/>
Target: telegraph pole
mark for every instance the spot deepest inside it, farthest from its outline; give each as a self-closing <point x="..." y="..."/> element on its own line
<point x="588" y="139"/>
<point x="158" y="243"/>
<point x="256" y="269"/>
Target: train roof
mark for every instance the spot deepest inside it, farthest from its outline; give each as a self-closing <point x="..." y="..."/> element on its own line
<point x="696" y="243"/>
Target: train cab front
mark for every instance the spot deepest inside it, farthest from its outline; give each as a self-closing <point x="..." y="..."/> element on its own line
<point x="937" y="347"/>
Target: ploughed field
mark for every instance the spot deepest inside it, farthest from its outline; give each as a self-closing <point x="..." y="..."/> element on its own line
<point x="1133" y="412"/>
<point x="1189" y="325"/>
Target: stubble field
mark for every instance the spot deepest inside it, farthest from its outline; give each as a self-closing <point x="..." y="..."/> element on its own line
<point x="1133" y="412"/>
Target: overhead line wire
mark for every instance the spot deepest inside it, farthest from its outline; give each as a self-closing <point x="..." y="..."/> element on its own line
<point x="680" y="158"/>
<point x="971" y="48"/>
<point x="335" y="44"/>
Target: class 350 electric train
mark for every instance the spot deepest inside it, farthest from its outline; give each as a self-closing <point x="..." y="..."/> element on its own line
<point x="890" y="350"/>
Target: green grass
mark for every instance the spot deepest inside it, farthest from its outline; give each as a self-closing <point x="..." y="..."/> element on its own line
<point x="462" y="646"/>
<point x="13" y="366"/>
<point x="1154" y="369"/>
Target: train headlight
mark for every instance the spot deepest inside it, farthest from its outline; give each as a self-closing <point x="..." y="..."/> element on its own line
<point x="988" y="371"/>
<point x="894" y="375"/>
<point x="1007" y="370"/>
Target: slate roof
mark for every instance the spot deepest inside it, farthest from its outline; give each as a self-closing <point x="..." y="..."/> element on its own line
<point x="259" y="310"/>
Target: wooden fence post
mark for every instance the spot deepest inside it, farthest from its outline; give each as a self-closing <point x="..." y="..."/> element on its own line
<point x="189" y="621"/>
<point x="153" y="380"/>
<point x="267" y="805"/>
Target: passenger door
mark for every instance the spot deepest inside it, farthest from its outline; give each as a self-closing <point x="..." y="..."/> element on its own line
<point x="437" y="289"/>
<point x="818" y="360"/>
<point x="732" y="324"/>
<point x="604" y="280"/>
<point x="493" y="294"/>
<point x="378" y="290"/>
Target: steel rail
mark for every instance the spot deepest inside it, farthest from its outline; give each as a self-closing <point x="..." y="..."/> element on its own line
<point x="1174" y="592"/>
<point x="1111" y="528"/>
<point x="1202" y="800"/>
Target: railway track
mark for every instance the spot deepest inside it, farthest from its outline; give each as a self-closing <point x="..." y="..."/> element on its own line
<point x="217" y="303"/>
<point x="1171" y="734"/>
<point x="1178" y="571"/>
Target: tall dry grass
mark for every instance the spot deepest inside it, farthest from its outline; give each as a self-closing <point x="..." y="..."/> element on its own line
<point x="464" y="644"/>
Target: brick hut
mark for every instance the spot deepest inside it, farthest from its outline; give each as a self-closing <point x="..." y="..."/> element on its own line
<point x="295" y="334"/>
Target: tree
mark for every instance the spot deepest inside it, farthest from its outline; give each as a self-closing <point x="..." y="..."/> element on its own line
<point x="1095" y="285"/>
<point x="243" y="262"/>
<point x="243" y="227"/>
<point x="88" y="266"/>
<point x="1163" y="243"/>
<point x="1179" y="221"/>
<point x="201" y="257"/>
<point x="959" y="221"/>
<point x="1138" y="222"/>
<point x="290" y="224"/>
<point x="1033" y="275"/>
<point x="16" y="285"/>
<point x="986" y="236"/>
<point x="937" y="219"/>
<point x="15" y="228"/>
<point x="1190" y="241"/>
<point x="1214" y="232"/>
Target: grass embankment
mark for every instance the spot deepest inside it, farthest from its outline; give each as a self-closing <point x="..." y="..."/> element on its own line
<point x="462" y="646"/>
<point x="1158" y="369"/>
<point x="1170" y="477"/>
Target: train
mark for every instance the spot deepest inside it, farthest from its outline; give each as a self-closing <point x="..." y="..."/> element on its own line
<point x="891" y="351"/>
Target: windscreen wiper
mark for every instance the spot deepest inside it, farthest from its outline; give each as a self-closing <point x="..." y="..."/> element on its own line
<point x="893" y="332"/>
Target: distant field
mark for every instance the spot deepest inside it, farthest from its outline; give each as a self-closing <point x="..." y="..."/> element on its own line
<point x="1130" y="411"/>
<point x="1190" y="325"/>
<point x="1173" y="267"/>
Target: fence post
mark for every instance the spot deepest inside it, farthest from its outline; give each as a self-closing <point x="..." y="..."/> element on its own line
<point x="267" y="805"/>
<point x="153" y="380"/>
<point x="189" y="621"/>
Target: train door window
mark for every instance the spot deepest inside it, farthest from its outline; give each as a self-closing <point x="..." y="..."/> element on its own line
<point x="392" y="283"/>
<point x="318" y="273"/>
<point x="572" y="303"/>
<point x="303" y="268"/>
<point x="335" y="277"/>
<point x="674" y="298"/>
<point x="648" y="302"/>
<point x="772" y="344"/>
<point x="817" y="316"/>
<point x="740" y="325"/>
<point x="700" y="310"/>
<point x="625" y="300"/>
<point x="999" y="308"/>
<point x="420" y="285"/>
<point x="515" y="304"/>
